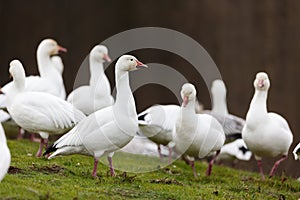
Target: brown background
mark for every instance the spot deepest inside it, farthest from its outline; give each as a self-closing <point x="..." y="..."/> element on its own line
<point x="242" y="37"/>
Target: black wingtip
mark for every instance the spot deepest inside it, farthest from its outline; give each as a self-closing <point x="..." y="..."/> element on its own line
<point x="142" y="117"/>
<point x="50" y="149"/>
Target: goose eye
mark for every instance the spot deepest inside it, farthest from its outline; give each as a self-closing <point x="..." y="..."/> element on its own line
<point x="131" y="59"/>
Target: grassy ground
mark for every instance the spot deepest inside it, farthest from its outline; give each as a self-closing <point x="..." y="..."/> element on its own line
<point x="70" y="178"/>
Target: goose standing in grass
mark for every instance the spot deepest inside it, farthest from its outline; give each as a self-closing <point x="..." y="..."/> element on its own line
<point x="266" y="134"/>
<point x="97" y="94"/>
<point x="234" y="151"/>
<point x="38" y="111"/>
<point x="232" y="124"/>
<point x="158" y="124"/>
<point x="296" y="152"/>
<point x="197" y="135"/>
<point x="5" y="154"/>
<point x="50" y="79"/>
<point x="106" y="130"/>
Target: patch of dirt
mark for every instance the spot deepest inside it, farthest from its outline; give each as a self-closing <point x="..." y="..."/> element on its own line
<point x="166" y="181"/>
<point x="48" y="169"/>
<point x="14" y="170"/>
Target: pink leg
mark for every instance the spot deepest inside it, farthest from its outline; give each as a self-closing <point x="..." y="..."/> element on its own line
<point x="21" y="133"/>
<point x="33" y="138"/>
<point x="39" y="153"/>
<point x="276" y="164"/>
<point x="211" y="163"/>
<point x="259" y="164"/>
<point x="170" y="154"/>
<point x="112" y="171"/>
<point x="192" y="163"/>
<point x="94" y="174"/>
<point x="159" y="153"/>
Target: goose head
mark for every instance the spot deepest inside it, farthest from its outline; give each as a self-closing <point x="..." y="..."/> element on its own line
<point x="16" y="70"/>
<point x="50" y="47"/>
<point x="129" y="63"/>
<point x="261" y="81"/>
<point x="188" y="93"/>
<point x="100" y="54"/>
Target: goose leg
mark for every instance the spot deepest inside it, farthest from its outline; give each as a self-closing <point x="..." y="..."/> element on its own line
<point x="94" y="174"/>
<point x="276" y="164"/>
<point x="109" y="157"/>
<point x="170" y="154"/>
<point x="192" y="163"/>
<point x="39" y="153"/>
<point x="21" y="133"/>
<point x="159" y="152"/>
<point x="211" y="163"/>
<point x="259" y="164"/>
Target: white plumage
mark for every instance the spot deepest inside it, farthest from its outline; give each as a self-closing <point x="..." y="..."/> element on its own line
<point x="266" y="134"/>
<point x="38" y="111"/>
<point x="158" y="124"/>
<point x="106" y="130"/>
<point x="232" y="124"/>
<point x="5" y="154"/>
<point x="97" y="94"/>
<point x="197" y="135"/>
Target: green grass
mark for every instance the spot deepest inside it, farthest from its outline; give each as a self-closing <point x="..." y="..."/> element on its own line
<point x="70" y="178"/>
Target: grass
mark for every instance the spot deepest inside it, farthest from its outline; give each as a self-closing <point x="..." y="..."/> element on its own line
<point x="70" y="178"/>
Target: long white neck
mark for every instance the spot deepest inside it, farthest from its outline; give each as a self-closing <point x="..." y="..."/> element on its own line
<point x="219" y="104"/>
<point x="258" y="108"/>
<point x="124" y="107"/>
<point x="188" y="113"/>
<point x="18" y="86"/>
<point x="44" y="63"/>
<point x="98" y="81"/>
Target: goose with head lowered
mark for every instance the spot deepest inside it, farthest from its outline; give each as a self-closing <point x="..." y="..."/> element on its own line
<point x="266" y="134"/>
<point x="96" y="95"/>
<point x="5" y="154"/>
<point x="38" y="111"/>
<point x="109" y="129"/>
<point x="196" y="135"/>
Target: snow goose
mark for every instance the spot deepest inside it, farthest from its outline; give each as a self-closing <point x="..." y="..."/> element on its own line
<point x="106" y="130"/>
<point x="296" y="152"/>
<point x="158" y="124"/>
<point x="97" y="94"/>
<point x="196" y="135"/>
<point x="233" y="151"/>
<point x="232" y="124"/>
<point x="50" y="78"/>
<point x="266" y="134"/>
<point x="5" y="154"/>
<point x="38" y="111"/>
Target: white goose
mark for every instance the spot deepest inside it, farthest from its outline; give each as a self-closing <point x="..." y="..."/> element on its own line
<point x="266" y="134"/>
<point x="5" y="154"/>
<point x="232" y="124"/>
<point x="158" y="124"/>
<point x="97" y="94"/>
<point x="106" y="130"/>
<point x="296" y="152"/>
<point x="50" y="78"/>
<point x="38" y="111"/>
<point x="197" y="135"/>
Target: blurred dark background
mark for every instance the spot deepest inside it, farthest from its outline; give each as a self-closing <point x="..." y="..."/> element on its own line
<point x="242" y="37"/>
